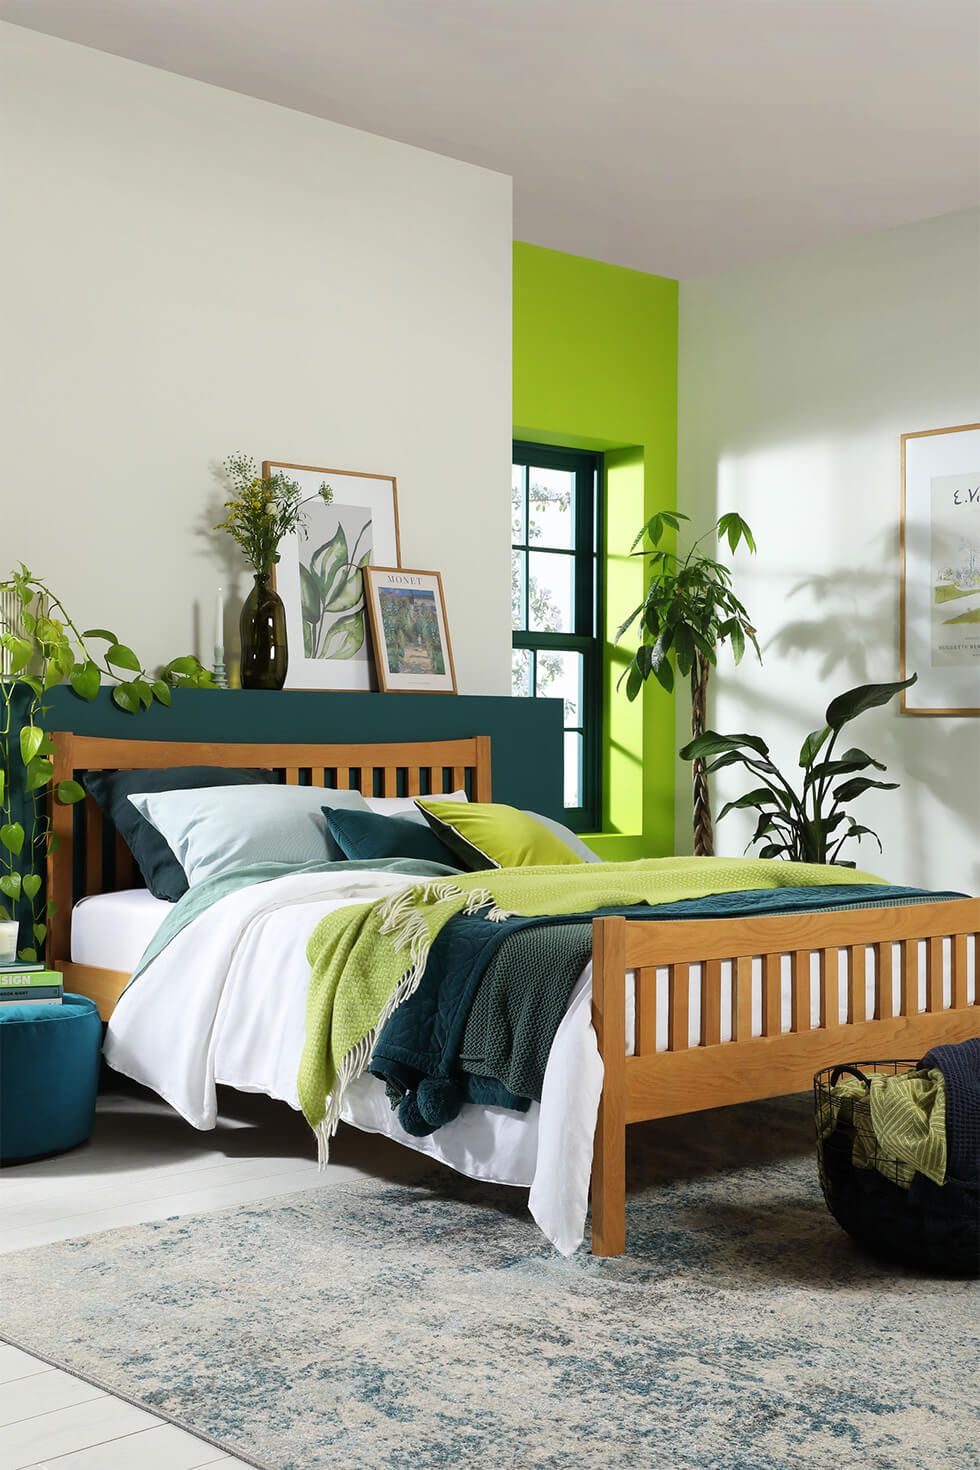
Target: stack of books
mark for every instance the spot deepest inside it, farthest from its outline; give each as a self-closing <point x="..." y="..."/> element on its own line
<point x="32" y="985"/>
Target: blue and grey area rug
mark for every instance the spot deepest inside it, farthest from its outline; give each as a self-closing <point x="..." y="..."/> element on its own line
<point x="430" y="1327"/>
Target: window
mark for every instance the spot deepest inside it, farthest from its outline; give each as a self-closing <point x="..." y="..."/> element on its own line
<point x="554" y="603"/>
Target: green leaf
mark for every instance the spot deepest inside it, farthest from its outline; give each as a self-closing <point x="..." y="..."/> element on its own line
<point x="761" y="796"/>
<point x="161" y="691"/>
<point x="185" y="664"/>
<point x="125" y="696"/>
<point x="848" y="790"/>
<point x="100" y="633"/>
<point x="738" y="640"/>
<point x="28" y="955"/>
<point x="20" y="651"/>
<point x="142" y="691"/>
<point x="68" y="792"/>
<point x="854" y="702"/>
<point x="813" y="744"/>
<point x="12" y="837"/>
<point x="634" y="681"/>
<point x="31" y="884"/>
<point x="347" y="594"/>
<point x="39" y="931"/>
<point x="39" y="773"/>
<point x="122" y="657"/>
<point x="312" y="602"/>
<point x="86" y="679"/>
<point x="30" y="742"/>
<point x="345" y="637"/>
<point x="711" y="744"/>
<point x="664" y="675"/>
<point x="10" y="885"/>
<point x="332" y="558"/>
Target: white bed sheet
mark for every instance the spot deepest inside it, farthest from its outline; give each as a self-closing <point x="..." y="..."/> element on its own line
<point x="225" y="1004"/>
<point x="111" y="930"/>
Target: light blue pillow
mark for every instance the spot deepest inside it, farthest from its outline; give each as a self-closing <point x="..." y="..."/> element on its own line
<point x="567" y="836"/>
<point x="221" y="827"/>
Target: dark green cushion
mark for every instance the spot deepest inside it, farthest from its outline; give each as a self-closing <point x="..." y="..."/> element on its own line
<point x="367" y="835"/>
<point x="162" y="873"/>
<point x="49" y="1076"/>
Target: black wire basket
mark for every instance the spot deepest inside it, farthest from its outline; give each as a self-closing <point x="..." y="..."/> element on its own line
<point x="925" y="1225"/>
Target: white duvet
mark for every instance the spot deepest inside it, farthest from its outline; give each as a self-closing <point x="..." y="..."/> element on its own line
<point x="225" y="1003"/>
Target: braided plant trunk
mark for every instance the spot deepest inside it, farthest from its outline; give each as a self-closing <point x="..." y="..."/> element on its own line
<point x="704" y="837"/>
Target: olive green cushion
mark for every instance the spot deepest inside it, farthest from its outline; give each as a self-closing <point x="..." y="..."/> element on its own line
<point x="490" y="835"/>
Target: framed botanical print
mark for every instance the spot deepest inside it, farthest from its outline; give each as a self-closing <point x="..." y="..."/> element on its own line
<point x="940" y="594"/>
<point x="407" y="613"/>
<point x="349" y="519"/>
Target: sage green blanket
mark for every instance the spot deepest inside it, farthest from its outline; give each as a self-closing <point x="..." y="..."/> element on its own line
<point x="366" y="959"/>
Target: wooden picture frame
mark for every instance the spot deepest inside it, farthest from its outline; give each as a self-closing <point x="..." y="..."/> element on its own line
<point x="427" y="669"/>
<point x="940" y="490"/>
<point x="332" y="648"/>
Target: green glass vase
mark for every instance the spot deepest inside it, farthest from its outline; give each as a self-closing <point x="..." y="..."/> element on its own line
<point x="265" y="656"/>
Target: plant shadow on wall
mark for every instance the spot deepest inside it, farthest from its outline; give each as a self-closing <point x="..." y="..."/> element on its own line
<point x="41" y="646"/>
<point x="857" y="617"/>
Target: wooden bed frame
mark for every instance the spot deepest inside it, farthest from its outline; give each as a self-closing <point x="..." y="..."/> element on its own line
<point x="90" y="859"/>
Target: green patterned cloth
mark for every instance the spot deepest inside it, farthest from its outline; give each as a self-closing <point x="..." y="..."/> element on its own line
<point x="899" y="1123"/>
<point x="365" y="959"/>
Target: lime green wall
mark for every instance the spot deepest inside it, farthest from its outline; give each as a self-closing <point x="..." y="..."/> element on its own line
<point x="595" y="366"/>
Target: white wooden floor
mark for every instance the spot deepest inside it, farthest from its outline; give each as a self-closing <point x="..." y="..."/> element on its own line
<point x="145" y="1163"/>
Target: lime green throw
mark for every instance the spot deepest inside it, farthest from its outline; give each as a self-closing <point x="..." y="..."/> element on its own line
<point x="366" y="959"/>
<point x="899" y="1123"/>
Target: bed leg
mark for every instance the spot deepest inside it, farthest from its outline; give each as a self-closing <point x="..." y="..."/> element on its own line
<point x="609" y="1021"/>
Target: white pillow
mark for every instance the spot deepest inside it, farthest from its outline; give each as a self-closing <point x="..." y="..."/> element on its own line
<point x="567" y="836"/>
<point x="404" y="806"/>
<point x="222" y="827"/>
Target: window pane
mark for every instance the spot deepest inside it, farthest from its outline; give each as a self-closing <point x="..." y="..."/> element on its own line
<point x="518" y="530"/>
<point x="573" y="768"/>
<point x="560" y="677"/>
<point x="551" y="495"/>
<point x="520" y="671"/>
<point x="551" y="589"/>
<point x="518" y="572"/>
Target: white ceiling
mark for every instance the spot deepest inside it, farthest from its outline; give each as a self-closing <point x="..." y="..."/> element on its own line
<point x="675" y="136"/>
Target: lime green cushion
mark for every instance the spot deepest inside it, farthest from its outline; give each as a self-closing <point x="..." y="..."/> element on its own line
<point x="488" y="835"/>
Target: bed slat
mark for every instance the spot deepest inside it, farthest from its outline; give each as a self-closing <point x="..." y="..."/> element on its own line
<point x="645" y="1041"/>
<point x="829" y="988"/>
<point x="856" y="982"/>
<point x="711" y="1003"/>
<point x="679" y="1006"/>
<point x="910" y="977"/>
<point x="934" y="974"/>
<point x="772" y="1007"/>
<point x="958" y="961"/>
<point x="743" y="998"/>
<point x="884" y="990"/>
<point x="800" y="992"/>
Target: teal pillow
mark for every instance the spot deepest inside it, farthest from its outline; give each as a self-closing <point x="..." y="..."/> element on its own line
<point x="162" y="873"/>
<point x="364" y="836"/>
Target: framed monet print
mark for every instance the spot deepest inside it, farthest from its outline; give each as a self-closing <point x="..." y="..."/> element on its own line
<point x="407" y="613"/>
<point x="348" y="520"/>
<point x="940" y="594"/>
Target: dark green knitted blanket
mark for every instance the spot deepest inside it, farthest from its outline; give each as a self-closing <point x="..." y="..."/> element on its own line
<point x="481" y="1024"/>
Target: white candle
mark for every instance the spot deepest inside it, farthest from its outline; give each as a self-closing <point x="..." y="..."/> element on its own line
<point x="219" y="627"/>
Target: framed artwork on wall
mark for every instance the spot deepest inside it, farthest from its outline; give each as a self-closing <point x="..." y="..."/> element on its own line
<point x="409" y="631"/>
<point x="320" y="573"/>
<point x="940" y="593"/>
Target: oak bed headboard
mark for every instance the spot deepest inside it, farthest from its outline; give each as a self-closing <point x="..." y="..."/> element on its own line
<point x="89" y="857"/>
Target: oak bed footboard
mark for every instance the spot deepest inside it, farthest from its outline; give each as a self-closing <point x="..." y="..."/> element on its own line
<point x="929" y="946"/>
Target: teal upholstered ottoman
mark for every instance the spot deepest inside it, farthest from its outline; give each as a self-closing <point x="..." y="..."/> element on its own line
<point x="49" y="1076"/>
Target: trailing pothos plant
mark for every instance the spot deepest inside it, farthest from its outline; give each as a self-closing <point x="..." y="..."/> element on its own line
<point x="39" y="648"/>
<point x="809" y="824"/>
<point x="688" y="612"/>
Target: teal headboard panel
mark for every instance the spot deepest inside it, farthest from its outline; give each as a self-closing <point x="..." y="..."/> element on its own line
<point x="525" y="734"/>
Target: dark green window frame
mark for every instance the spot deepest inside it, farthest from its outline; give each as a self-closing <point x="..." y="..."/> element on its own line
<point x="585" y="636"/>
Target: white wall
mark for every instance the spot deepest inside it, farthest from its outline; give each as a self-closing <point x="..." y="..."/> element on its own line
<point x="796" y="379"/>
<point x="187" y="272"/>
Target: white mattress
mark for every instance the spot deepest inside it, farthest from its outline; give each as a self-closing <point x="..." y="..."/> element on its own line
<point x="111" y="930"/>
